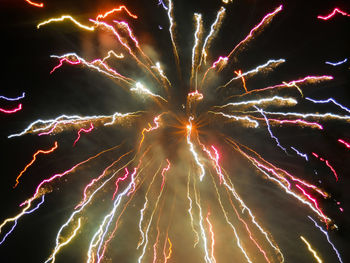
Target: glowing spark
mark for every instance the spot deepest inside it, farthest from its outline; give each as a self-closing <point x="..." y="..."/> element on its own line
<point x="64" y="17"/>
<point x="245" y="119"/>
<point x="197" y="35"/>
<point x="328" y="164"/>
<point x="347" y="144"/>
<point x="335" y="11"/>
<point x="85" y="131"/>
<point x="327" y="236"/>
<point x="13" y="99"/>
<point x="19" y="107"/>
<point x="33" y="160"/>
<point x="118" y="180"/>
<point x="35" y="4"/>
<point x="311" y="250"/>
<point x="334" y="64"/>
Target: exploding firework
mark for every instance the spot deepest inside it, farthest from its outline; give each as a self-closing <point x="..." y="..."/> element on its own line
<point x="201" y="157"/>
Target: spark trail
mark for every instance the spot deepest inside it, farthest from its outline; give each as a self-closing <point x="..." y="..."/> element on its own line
<point x="166" y="188"/>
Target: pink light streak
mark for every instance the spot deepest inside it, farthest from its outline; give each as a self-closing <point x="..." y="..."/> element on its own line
<point x="345" y="143"/>
<point x="19" y="107"/>
<point x="83" y="130"/>
<point x="335" y="11"/>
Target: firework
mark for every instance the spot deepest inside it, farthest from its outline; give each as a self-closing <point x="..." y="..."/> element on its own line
<point x="169" y="186"/>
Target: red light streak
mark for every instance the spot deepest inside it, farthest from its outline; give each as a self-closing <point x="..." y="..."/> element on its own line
<point x="120" y="179"/>
<point x="328" y="164"/>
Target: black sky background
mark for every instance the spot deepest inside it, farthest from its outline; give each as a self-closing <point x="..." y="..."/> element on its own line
<point x="295" y="35"/>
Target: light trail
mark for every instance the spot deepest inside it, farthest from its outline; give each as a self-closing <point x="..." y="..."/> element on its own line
<point x="311" y="249"/>
<point x="33" y="160"/>
<point x="335" y="11"/>
<point x="14" y="110"/>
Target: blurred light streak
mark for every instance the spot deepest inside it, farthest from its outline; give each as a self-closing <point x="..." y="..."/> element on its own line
<point x="33" y="160"/>
<point x="335" y="11"/>
<point x="311" y="249"/>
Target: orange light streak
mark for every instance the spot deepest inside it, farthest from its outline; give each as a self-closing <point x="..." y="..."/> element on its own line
<point x="239" y="74"/>
<point x="119" y="9"/>
<point x="35" y="4"/>
<point x="33" y="160"/>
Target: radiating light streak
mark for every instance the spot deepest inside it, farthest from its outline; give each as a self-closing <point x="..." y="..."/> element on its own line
<point x="59" y="175"/>
<point x="118" y="180"/>
<point x="281" y="101"/>
<point x="347" y="144"/>
<point x="311" y="250"/>
<point x="334" y="64"/>
<point x="25" y="213"/>
<point x="267" y="66"/>
<point x="52" y="257"/>
<point x="298" y="121"/>
<point x="192" y="150"/>
<point x="238" y="241"/>
<point x="149" y="225"/>
<point x="13" y="99"/>
<point x="328" y="164"/>
<point x="335" y="11"/>
<point x="267" y="18"/>
<point x="201" y="227"/>
<point x="166" y="169"/>
<point x="279" y="182"/>
<point x="310" y="115"/>
<point x="64" y="119"/>
<point x="106" y="70"/>
<point x="104" y="226"/>
<point x="64" y="17"/>
<point x="197" y="36"/>
<point x="169" y="250"/>
<point x="143" y="209"/>
<point x="18" y="108"/>
<point x="304" y="155"/>
<point x="239" y="74"/>
<point x="33" y="160"/>
<point x="214" y="28"/>
<point x="327" y="236"/>
<point x="85" y="131"/>
<point x="139" y="88"/>
<point x="118" y="9"/>
<point x="328" y="101"/>
<point x="190" y="212"/>
<point x="161" y="2"/>
<point x="246" y="119"/>
<point x="150" y="128"/>
<point x="212" y="237"/>
<point x="34" y="3"/>
<point x="93" y="181"/>
<point x="313" y="200"/>
<point x="172" y="31"/>
<point x="293" y="83"/>
<point x="270" y="131"/>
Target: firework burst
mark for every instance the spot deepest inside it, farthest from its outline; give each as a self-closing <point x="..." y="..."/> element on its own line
<point x="169" y="185"/>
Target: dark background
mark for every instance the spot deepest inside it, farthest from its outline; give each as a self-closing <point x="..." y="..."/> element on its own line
<point x="295" y="34"/>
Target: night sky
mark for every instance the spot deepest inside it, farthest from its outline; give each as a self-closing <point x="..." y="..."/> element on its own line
<point x="295" y="35"/>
